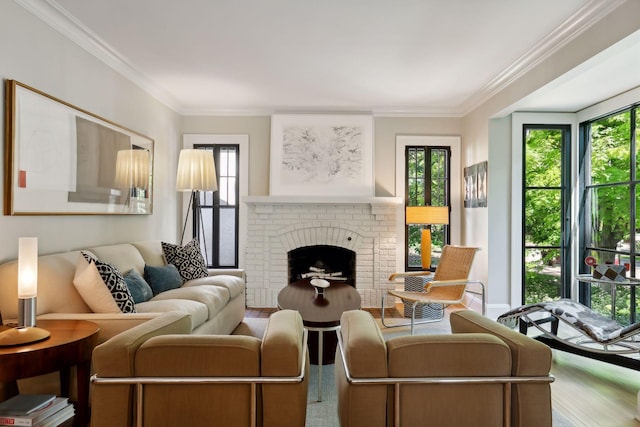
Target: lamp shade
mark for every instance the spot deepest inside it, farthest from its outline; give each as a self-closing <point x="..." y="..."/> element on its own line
<point x="427" y="215"/>
<point x="27" y="267"/>
<point x="132" y="169"/>
<point x="196" y="171"/>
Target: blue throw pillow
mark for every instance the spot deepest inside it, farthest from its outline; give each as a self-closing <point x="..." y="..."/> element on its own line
<point x="162" y="278"/>
<point x="140" y="290"/>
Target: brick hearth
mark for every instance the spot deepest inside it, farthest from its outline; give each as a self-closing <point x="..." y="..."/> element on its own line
<point x="276" y="225"/>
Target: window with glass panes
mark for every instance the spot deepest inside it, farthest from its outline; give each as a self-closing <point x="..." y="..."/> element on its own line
<point x="610" y="226"/>
<point x="545" y="213"/>
<point x="216" y="213"/>
<point x="427" y="184"/>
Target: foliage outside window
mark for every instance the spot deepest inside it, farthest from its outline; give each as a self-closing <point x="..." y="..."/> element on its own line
<point x="427" y="180"/>
<point x="545" y="177"/>
<point x="610" y="224"/>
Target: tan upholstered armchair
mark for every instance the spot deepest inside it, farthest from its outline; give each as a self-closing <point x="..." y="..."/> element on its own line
<point x="483" y="374"/>
<point x="158" y="374"/>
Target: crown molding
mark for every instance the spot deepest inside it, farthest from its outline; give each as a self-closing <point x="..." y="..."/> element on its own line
<point x="52" y="14"/>
<point x="571" y="28"/>
<point x="376" y="111"/>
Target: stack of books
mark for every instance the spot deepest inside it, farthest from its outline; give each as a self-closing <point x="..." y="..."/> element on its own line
<point x="36" y="410"/>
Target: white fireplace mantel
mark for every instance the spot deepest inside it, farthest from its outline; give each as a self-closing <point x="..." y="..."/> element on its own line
<point x="262" y="200"/>
<point x="278" y="224"/>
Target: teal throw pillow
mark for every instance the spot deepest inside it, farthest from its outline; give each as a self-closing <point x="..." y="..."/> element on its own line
<point x="139" y="288"/>
<point x="162" y="278"/>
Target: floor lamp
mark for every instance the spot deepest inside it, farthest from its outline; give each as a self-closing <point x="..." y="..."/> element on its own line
<point x="426" y="215"/>
<point x="196" y="172"/>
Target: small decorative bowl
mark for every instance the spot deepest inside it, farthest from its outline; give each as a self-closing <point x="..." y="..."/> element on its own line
<point x="320" y="285"/>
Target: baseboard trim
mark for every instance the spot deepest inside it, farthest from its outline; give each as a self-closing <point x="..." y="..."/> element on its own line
<point x="496" y="310"/>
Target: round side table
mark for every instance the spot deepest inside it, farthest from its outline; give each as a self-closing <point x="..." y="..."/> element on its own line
<point x="70" y="344"/>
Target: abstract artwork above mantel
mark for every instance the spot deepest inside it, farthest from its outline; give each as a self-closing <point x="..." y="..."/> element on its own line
<point x="322" y="155"/>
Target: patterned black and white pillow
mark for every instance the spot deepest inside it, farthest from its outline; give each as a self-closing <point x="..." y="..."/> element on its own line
<point x="188" y="259"/>
<point x="115" y="282"/>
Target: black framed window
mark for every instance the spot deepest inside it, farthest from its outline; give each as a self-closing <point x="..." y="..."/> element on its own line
<point x="546" y="212"/>
<point x="427" y="183"/>
<point x="216" y="213"/>
<point x="609" y="223"/>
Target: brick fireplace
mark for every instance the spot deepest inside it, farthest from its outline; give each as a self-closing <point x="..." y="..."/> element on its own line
<point x="279" y="224"/>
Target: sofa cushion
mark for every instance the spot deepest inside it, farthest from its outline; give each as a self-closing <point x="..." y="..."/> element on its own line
<point x="234" y="284"/>
<point x="151" y="251"/>
<point x="123" y="256"/>
<point x="57" y="294"/>
<point x="188" y="259"/>
<point x="215" y="298"/>
<point x="138" y="287"/>
<point x="90" y="286"/>
<point x="218" y="404"/>
<point x="198" y="311"/>
<point x="199" y="355"/>
<point x="114" y="282"/>
<point x="455" y="355"/>
<point x="163" y="278"/>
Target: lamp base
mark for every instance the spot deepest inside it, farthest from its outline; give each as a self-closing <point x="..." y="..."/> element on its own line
<point x="21" y="335"/>
<point x="425" y="248"/>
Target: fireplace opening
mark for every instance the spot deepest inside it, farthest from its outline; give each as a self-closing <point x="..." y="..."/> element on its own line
<point x="324" y="262"/>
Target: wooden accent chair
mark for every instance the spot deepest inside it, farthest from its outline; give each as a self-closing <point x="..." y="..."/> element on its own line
<point x="448" y="286"/>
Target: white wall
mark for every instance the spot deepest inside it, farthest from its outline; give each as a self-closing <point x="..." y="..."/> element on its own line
<point x="385" y="131"/>
<point x="33" y="53"/>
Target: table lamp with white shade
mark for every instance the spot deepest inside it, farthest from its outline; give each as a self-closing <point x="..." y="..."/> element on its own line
<point x="26" y="331"/>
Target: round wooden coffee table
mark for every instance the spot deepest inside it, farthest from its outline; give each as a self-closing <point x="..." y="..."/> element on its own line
<point x="70" y="344"/>
<point x="320" y="315"/>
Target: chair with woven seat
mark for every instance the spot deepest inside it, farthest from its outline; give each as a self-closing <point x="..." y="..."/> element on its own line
<point x="448" y="286"/>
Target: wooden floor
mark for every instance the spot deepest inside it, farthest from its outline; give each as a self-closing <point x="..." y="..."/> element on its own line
<point x="593" y="393"/>
<point x="585" y="391"/>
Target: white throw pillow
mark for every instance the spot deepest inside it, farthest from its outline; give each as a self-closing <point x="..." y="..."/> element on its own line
<point x="92" y="289"/>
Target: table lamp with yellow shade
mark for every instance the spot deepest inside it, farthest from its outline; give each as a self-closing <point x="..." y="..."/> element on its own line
<point x="426" y="215"/>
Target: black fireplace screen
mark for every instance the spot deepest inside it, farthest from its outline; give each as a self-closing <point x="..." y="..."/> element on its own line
<point x="324" y="262"/>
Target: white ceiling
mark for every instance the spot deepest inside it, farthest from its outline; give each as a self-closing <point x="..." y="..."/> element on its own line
<point x="422" y="57"/>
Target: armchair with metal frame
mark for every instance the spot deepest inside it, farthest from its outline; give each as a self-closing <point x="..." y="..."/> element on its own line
<point x="448" y="287"/>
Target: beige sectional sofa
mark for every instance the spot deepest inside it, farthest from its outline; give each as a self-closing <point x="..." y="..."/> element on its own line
<point x="197" y="380"/>
<point x="483" y="374"/>
<point x="215" y="304"/>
